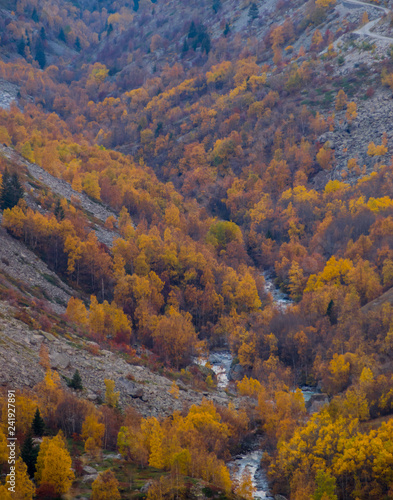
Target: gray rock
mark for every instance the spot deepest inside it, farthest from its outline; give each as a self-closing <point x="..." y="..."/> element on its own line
<point x="36" y="339"/>
<point x="279" y="497"/>
<point x="113" y="456"/>
<point x="49" y="336"/>
<point x="89" y="470"/>
<point x="130" y="388"/>
<point x="317" y="402"/>
<point x="146" y="486"/>
<point x="59" y="360"/>
<point x="236" y="373"/>
<point x="90" y="478"/>
<point x="91" y="396"/>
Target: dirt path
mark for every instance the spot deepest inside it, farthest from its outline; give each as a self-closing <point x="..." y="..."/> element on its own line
<point x="366" y="29"/>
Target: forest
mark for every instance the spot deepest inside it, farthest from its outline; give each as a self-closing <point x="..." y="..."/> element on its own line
<point x="211" y="141"/>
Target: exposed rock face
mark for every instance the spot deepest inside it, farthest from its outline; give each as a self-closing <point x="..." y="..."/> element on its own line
<point x="19" y="263"/>
<point x="351" y="141"/>
<point x="8" y="94"/>
<point x="236" y="373"/>
<point x="317" y="402"/>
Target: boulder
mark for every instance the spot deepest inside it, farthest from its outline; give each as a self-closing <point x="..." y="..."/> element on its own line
<point x="317" y="402"/>
<point x="236" y="373"/>
<point x="146" y="486"/>
<point x="91" y="396"/>
<point x="59" y="360"/>
<point x="48" y="336"/>
<point x="130" y="388"/>
<point x="90" y="478"/>
<point x="89" y="470"/>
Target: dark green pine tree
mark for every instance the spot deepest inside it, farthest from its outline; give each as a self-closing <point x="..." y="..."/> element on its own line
<point x="216" y="6"/>
<point x="206" y="44"/>
<point x="12" y="190"/>
<point x="29" y="454"/>
<point x="40" y="54"/>
<point x="59" y="211"/>
<point x="38" y="424"/>
<point x="78" y="44"/>
<point x="76" y="381"/>
<point x="21" y="47"/>
<point x="192" y="32"/>
<point x="34" y="16"/>
<point x="226" y="30"/>
<point x="185" y="47"/>
<point x="62" y="36"/>
<point x="253" y="12"/>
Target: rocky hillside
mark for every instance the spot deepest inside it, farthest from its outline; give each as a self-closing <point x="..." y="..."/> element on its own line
<point x="146" y="391"/>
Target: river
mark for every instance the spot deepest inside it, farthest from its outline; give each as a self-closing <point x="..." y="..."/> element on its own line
<point x="221" y="362"/>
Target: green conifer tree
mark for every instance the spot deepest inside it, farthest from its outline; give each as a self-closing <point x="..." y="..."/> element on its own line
<point x="40" y="54"/>
<point x="253" y="12"/>
<point x="29" y="453"/>
<point x="38" y="424"/>
<point x="76" y="381"/>
<point x="12" y="190"/>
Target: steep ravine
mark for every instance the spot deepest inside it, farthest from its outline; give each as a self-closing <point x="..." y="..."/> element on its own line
<point x="221" y="362"/>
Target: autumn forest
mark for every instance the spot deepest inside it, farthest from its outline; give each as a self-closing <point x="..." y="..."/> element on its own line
<point x="189" y="154"/>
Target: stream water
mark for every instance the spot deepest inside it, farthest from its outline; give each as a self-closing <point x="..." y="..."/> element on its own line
<point x="221" y="362"/>
<point x="280" y="299"/>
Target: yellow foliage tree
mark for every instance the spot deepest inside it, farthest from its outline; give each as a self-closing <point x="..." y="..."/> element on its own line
<point x="341" y="100"/>
<point x="24" y="489"/>
<point x="3" y="448"/>
<point x="105" y="487"/>
<point x="351" y="112"/>
<point x="54" y="464"/>
<point x="76" y="311"/>
<point x="4" y="493"/>
<point x="111" y="396"/>
<point x="50" y="393"/>
<point x="374" y="150"/>
<point x="325" y="4"/>
<point x="325" y="157"/>
<point x="93" y="432"/>
<point x="317" y="38"/>
<point x="174" y="390"/>
<point x="132" y="445"/>
<point x="174" y="337"/>
<point x="154" y="435"/>
<point x="91" y="186"/>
